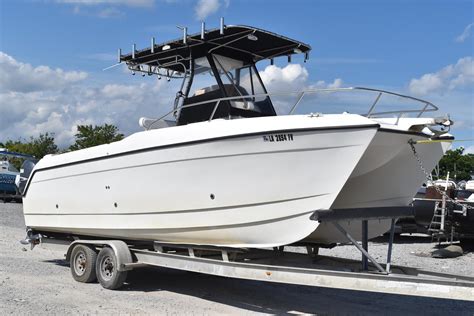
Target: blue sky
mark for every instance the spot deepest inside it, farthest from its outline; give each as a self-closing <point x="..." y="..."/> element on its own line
<point x="53" y="53"/>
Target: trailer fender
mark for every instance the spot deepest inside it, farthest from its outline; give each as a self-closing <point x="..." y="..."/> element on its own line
<point x="120" y="248"/>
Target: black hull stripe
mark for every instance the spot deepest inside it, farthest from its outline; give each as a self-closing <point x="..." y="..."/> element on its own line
<point x="210" y="209"/>
<point x="195" y="142"/>
<point x="69" y="230"/>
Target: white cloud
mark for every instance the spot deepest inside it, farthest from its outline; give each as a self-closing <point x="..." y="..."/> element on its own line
<point x="292" y="77"/>
<point x="321" y="84"/>
<point x="105" y="8"/>
<point x="465" y="34"/>
<point x="204" y="8"/>
<point x="58" y="102"/>
<point x="469" y="150"/>
<point x="129" y="3"/>
<point x="110" y="12"/>
<point x="450" y="77"/>
<point x="20" y="77"/>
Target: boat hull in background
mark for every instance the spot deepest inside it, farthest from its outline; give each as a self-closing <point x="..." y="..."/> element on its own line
<point x="251" y="185"/>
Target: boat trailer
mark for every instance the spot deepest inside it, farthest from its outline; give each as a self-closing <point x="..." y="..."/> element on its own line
<point x="109" y="261"/>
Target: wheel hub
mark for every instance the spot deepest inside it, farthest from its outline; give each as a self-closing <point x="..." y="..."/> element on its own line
<point x="80" y="263"/>
<point x="107" y="268"/>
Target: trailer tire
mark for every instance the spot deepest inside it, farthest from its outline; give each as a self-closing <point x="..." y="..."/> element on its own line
<point x="107" y="270"/>
<point x="82" y="263"/>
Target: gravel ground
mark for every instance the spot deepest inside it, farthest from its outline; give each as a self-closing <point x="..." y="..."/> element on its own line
<point x="39" y="282"/>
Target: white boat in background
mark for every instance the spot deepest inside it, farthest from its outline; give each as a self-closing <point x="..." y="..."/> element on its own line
<point x="469" y="186"/>
<point x="8" y="174"/>
<point x="227" y="171"/>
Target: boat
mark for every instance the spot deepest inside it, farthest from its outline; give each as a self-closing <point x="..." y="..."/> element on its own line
<point x="470" y="185"/>
<point x="226" y="170"/>
<point x="445" y="210"/>
<point x="8" y="174"/>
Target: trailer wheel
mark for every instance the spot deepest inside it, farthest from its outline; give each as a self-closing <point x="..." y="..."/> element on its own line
<point x="107" y="270"/>
<point x="83" y="259"/>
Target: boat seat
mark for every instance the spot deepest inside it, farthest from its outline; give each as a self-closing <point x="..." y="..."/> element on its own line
<point x="151" y="123"/>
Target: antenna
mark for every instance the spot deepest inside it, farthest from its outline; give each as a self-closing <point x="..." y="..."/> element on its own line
<point x="119" y="55"/>
<point x="152" y="45"/>
<point x="134" y="48"/>
<point x="222" y="26"/>
<point x="203" y="30"/>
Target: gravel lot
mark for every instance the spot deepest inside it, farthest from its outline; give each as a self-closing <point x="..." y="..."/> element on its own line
<point x="39" y="282"/>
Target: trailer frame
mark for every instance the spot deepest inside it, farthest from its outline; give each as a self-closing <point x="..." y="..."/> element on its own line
<point x="279" y="266"/>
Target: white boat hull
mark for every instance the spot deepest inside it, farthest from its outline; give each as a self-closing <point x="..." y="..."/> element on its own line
<point x="387" y="175"/>
<point x="234" y="190"/>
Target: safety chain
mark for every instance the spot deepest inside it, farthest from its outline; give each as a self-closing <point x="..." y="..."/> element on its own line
<point x="428" y="177"/>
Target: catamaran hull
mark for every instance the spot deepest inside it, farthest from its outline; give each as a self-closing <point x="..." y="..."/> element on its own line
<point x="387" y="175"/>
<point x="239" y="190"/>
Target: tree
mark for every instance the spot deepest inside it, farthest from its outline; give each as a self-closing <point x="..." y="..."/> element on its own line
<point x="89" y="136"/>
<point x="460" y="166"/>
<point x="37" y="146"/>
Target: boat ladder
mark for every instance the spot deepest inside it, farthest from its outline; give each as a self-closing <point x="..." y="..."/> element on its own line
<point x="439" y="226"/>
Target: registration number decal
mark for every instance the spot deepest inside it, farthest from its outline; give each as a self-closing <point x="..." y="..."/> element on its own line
<point x="278" y="138"/>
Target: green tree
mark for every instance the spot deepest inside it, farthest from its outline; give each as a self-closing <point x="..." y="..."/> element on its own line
<point x="89" y="136"/>
<point x="460" y="166"/>
<point x="37" y="146"/>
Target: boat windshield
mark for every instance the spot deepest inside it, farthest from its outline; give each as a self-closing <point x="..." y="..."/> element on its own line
<point x="217" y="77"/>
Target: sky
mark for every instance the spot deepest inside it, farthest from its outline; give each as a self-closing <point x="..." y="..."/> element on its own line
<point x="53" y="52"/>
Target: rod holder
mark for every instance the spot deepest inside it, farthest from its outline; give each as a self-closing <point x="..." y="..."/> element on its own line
<point x="222" y="26"/>
<point x="203" y="30"/>
<point x="272" y="62"/>
<point x="119" y="55"/>
<point x="185" y="35"/>
<point x="134" y="49"/>
<point x="152" y="44"/>
<point x="289" y="58"/>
